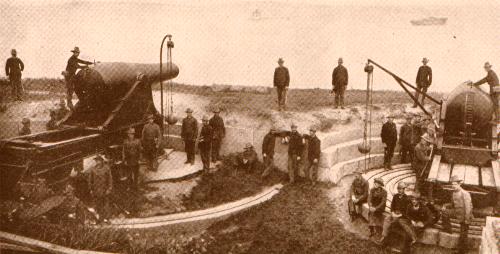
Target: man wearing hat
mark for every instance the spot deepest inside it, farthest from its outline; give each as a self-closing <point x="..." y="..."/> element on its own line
<point x="295" y="150"/>
<point x="151" y="140"/>
<point x="26" y="129"/>
<point x="405" y="138"/>
<point x="219" y="132"/>
<point x="313" y="153"/>
<point x="268" y="151"/>
<point x="422" y="158"/>
<point x="205" y="143"/>
<point x="492" y="80"/>
<point x="340" y="79"/>
<point x="101" y="186"/>
<point x="389" y="137"/>
<point x="424" y="80"/>
<point x="62" y="110"/>
<point x="281" y="82"/>
<point x="189" y="134"/>
<point x="71" y="68"/>
<point x="376" y="206"/>
<point x="461" y="209"/>
<point x="131" y="153"/>
<point x="359" y="195"/>
<point x="13" y="70"/>
<point x="248" y="159"/>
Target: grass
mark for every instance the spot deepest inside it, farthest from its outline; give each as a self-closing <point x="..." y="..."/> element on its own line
<point x="300" y="219"/>
<point x="227" y="185"/>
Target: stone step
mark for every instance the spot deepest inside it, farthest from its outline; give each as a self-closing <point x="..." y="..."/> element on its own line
<point x="345" y="151"/>
<point x="341" y="169"/>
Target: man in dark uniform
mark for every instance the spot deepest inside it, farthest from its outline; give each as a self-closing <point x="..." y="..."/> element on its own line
<point x="101" y="186"/>
<point x="205" y="143"/>
<point x="219" y="132"/>
<point x="405" y="137"/>
<point x="313" y="153"/>
<point x="376" y="206"/>
<point x="389" y="137"/>
<point x="281" y="82"/>
<point x="399" y="203"/>
<point x="189" y="134"/>
<point x="13" y="69"/>
<point x="69" y="74"/>
<point x="247" y="160"/>
<point x="26" y="129"/>
<point x="340" y="79"/>
<point x="295" y="150"/>
<point x="492" y="80"/>
<point x="424" y="80"/>
<point x="359" y="195"/>
<point x="131" y="153"/>
<point x="268" y="151"/>
<point x="419" y="216"/>
<point x="421" y="158"/>
<point x="151" y="140"/>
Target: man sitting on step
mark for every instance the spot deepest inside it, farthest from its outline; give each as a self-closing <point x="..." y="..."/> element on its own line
<point x="399" y="203"/>
<point x="359" y="195"/>
<point x="418" y="215"/>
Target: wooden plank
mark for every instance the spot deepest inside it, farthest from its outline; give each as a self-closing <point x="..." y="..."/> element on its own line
<point x="433" y="173"/>
<point x="487" y="177"/>
<point x="472" y="175"/>
<point x="459" y="171"/>
<point x="444" y="172"/>
<point x="40" y="245"/>
<point x="496" y="173"/>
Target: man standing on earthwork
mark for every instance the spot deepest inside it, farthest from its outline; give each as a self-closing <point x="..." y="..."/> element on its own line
<point x="340" y="78"/>
<point x="13" y="69"/>
<point x="281" y="82"/>
<point x="424" y="80"/>
<point x="189" y="134"/>
<point x="69" y="74"/>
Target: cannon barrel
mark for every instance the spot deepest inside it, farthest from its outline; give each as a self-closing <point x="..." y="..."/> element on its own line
<point x="468" y="109"/>
<point x="121" y="91"/>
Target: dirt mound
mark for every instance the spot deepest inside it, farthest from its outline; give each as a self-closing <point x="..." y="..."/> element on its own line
<point x="228" y="184"/>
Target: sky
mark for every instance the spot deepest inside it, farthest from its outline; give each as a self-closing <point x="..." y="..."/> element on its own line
<point x="222" y="44"/>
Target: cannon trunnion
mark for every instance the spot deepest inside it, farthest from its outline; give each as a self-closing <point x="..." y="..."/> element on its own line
<point x="112" y="97"/>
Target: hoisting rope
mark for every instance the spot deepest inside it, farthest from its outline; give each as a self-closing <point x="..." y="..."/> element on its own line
<point x="367" y="132"/>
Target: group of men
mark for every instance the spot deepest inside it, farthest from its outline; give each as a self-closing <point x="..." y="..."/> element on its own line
<point x="209" y="139"/>
<point x="409" y="215"/>
<point x="415" y="137"/>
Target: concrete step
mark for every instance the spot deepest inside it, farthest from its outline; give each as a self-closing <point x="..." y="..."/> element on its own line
<point x="345" y="151"/>
<point x="341" y="169"/>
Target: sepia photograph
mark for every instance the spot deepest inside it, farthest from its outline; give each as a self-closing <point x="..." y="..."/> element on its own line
<point x="249" y="126"/>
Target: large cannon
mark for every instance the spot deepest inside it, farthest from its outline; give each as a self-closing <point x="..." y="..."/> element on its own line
<point x="112" y="98"/>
